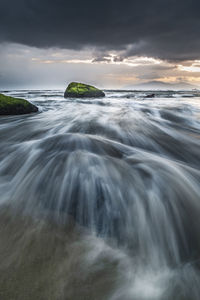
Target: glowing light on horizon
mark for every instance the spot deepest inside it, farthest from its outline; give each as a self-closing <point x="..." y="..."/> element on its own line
<point x="66" y="61"/>
<point x="194" y="67"/>
<point x="110" y="59"/>
<point x="175" y="73"/>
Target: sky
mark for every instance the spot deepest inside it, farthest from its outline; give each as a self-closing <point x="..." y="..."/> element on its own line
<point x="108" y="43"/>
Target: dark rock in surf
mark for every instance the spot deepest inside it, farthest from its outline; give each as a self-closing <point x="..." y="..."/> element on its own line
<point x="15" y="106"/>
<point x="150" y="96"/>
<point x="81" y="90"/>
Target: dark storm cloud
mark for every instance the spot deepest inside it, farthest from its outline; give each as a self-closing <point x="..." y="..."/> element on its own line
<point x="101" y="59"/>
<point x="107" y="58"/>
<point x="159" y="28"/>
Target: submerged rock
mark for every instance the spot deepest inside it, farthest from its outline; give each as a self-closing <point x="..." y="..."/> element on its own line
<point x="150" y="96"/>
<point x="15" y="106"/>
<point x="81" y="90"/>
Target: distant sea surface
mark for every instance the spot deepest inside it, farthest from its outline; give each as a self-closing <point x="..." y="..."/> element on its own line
<point x="100" y="198"/>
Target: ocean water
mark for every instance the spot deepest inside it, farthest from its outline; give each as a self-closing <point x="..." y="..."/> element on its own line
<point x="100" y="198"/>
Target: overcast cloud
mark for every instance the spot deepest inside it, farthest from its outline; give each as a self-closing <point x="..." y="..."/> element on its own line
<point x="168" y="29"/>
<point x="65" y="32"/>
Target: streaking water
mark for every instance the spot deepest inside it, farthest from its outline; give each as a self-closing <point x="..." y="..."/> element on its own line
<point x="126" y="169"/>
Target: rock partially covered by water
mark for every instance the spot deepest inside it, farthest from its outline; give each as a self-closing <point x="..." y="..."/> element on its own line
<point x="15" y="106"/>
<point x="81" y="90"/>
<point x="150" y="96"/>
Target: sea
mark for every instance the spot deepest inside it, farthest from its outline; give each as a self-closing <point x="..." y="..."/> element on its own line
<point x="100" y="198"/>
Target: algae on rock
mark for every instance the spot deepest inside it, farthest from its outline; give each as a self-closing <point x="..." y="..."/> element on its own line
<point x="15" y="106"/>
<point x="81" y="90"/>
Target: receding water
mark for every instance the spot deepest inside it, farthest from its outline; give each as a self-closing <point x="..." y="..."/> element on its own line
<point x="100" y="199"/>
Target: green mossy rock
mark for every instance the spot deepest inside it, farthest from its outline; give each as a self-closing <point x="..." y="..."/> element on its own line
<point x="81" y="90"/>
<point x="15" y="106"/>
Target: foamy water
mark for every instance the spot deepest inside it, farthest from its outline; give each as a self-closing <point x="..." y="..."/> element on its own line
<point x="100" y="198"/>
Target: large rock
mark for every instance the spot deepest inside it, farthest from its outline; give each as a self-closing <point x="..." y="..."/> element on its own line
<point x="80" y="90"/>
<point x="15" y="106"/>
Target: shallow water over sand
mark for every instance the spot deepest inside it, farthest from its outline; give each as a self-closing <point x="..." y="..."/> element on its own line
<point x="100" y="198"/>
